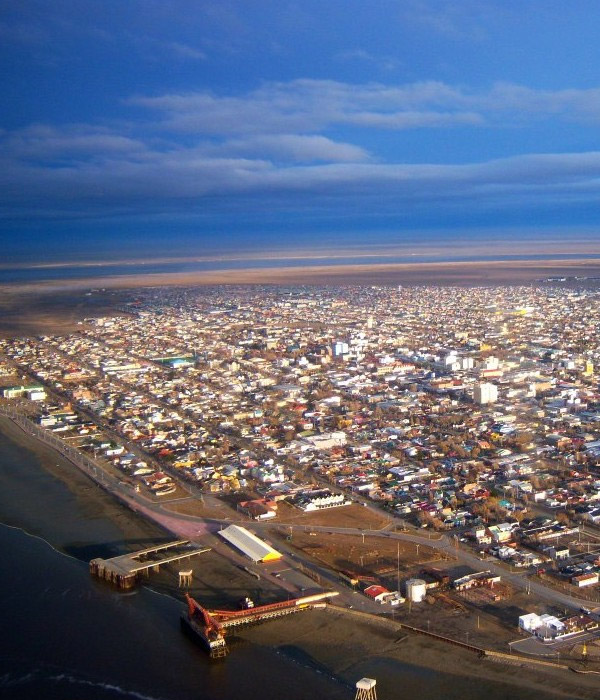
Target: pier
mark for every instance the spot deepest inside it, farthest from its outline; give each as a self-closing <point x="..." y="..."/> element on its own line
<point x="210" y="626"/>
<point x="125" y="570"/>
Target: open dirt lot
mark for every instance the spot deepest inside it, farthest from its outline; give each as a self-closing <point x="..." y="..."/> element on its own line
<point x="344" y="516"/>
<point x="209" y="507"/>
<point x="375" y="556"/>
<point x="353" y="516"/>
<point x="34" y="313"/>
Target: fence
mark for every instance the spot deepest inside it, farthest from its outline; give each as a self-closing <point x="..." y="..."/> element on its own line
<point x="512" y="659"/>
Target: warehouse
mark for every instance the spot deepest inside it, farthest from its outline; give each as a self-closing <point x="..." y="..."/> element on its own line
<point x="249" y="544"/>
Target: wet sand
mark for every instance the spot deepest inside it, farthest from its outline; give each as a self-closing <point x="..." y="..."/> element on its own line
<point x="407" y="665"/>
<point x="426" y="273"/>
<point x="129" y="531"/>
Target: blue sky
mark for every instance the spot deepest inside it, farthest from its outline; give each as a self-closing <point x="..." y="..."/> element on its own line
<point x="154" y="126"/>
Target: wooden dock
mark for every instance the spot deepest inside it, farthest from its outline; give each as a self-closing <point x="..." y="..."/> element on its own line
<point x="125" y="570"/>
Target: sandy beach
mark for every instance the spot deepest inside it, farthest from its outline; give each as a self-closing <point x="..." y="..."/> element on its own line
<point x="338" y="644"/>
<point x="422" y="273"/>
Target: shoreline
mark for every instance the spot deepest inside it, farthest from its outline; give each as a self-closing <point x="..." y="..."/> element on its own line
<point x="82" y="487"/>
<point x="467" y="273"/>
<point x="526" y="246"/>
<point x="313" y="640"/>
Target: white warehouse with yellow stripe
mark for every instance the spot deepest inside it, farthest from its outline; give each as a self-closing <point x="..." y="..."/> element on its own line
<point x="249" y="544"/>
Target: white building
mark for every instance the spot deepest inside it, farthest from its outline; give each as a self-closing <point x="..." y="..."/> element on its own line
<point x="544" y="626"/>
<point x="249" y="544"/>
<point x="339" y="348"/>
<point x="36" y="394"/>
<point x="485" y="393"/>
<point x="466" y="363"/>
<point x="326" y="441"/>
<point x="318" y="500"/>
<point x="490" y="363"/>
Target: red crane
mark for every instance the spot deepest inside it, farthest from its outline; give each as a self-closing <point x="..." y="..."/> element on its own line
<point x="211" y="625"/>
<point x="212" y="628"/>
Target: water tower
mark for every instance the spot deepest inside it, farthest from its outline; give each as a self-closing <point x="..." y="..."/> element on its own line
<point x="365" y="689"/>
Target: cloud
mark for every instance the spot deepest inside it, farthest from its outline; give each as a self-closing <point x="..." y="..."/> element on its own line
<point x="276" y="142"/>
<point x="304" y="106"/>
<point x="41" y="142"/>
<point x="185" y="51"/>
<point x="462" y="21"/>
<point x="296" y="148"/>
<point x="524" y="103"/>
<point x="156" y="48"/>
<point x="413" y="119"/>
<point x="386" y="63"/>
<point x="90" y="168"/>
<point x="307" y="105"/>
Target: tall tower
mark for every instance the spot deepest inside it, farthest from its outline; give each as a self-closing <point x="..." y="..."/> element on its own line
<point x="365" y="689"/>
<point x="485" y="393"/>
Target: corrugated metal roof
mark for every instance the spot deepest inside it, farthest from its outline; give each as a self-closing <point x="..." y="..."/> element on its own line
<point x="248" y="543"/>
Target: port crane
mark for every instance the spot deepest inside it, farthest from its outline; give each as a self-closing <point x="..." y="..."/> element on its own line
<point x="210" y="626"/>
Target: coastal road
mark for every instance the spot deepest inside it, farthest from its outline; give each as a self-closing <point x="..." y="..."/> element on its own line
<point x="446" y="545"/>
<point x="192" y="527"/>
<point x="186" y="524"/>
<point x="536" y="647"/>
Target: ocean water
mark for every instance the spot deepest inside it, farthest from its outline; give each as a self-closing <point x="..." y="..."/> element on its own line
<point x="65" y="635"/>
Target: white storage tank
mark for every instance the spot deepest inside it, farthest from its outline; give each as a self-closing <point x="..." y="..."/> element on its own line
<point x="416" y="590"/>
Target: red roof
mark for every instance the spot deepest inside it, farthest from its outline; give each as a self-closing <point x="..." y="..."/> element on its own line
<point x="375" y="590"/>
